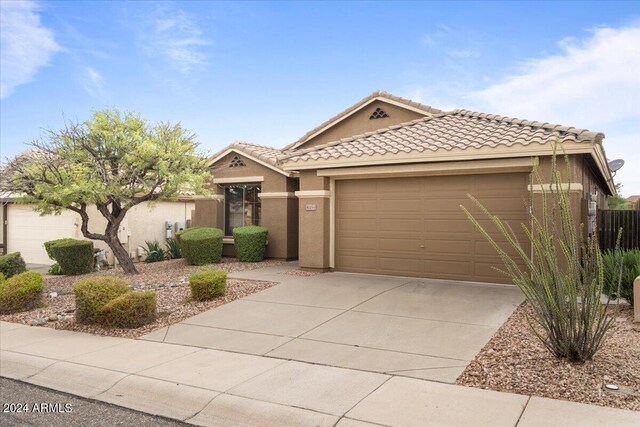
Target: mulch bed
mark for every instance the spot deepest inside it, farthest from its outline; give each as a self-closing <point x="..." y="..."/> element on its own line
<point x="170" y="281"/>
<point x="515" y="361"/>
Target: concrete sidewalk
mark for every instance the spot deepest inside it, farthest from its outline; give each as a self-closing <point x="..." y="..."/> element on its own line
<point x="220" y="388"/>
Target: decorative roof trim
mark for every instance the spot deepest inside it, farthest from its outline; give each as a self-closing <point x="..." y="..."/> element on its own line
<point x="234" y="149"/>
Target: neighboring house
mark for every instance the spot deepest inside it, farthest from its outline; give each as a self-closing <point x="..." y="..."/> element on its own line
<point x="634" y="202"/>
<point x="378" y="187"/>
<point x="25" y="230"/>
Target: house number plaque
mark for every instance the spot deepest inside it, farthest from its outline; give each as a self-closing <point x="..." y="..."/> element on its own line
<point x="310" y="207"/>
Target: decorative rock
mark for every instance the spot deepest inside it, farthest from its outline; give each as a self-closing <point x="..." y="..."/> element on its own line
<point x="53" y="318"/>
<point x="53" y="294"/>
<point x="38" y="322"/>
<point x="70" y="310"/>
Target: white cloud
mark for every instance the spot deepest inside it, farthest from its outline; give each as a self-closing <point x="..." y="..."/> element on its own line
<point x="177" y="38"/>
<point x="592" y="83"/>
<point x="93" y="83"/>
<point x="26" y="45"/>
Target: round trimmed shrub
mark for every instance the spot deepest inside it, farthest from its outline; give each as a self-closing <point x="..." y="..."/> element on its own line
<point x="208" y="284"/>
<point x="250" y="242"/>
<point x="74" y="256"/>
<point x="51" y="243"/>
<point x="12" y="264"/>
<point x="94" y="293"/>
<point x="130" y="310"/>
<point x="201" y="245"/>
<point x="20" y="292"/>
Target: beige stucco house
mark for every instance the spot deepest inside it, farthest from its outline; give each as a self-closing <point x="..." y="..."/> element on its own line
<point x="25" y="230"/>
<point x="378" y="187"/>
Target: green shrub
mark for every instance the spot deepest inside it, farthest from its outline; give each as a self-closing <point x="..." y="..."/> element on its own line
<point x="630" y="260"/>
<point x="12" y="264"/>
<point x="208" y="284"/>
<point x="94" y="293"/>
<point x="250" y="242"/>
<point x="130" y="310"/>
<point x="154" y="252"/>
<point x="20" y="292"/>
<point x="55" y="270"/>
<point x="51" y="243"/>
<point x="173" y="249"/>
<point x="202" y="245"/>
<point x="74" y="256"/>
<point x="2" y="278"/>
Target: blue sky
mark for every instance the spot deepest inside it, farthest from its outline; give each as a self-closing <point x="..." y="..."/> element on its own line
<point x="268" y="72"/>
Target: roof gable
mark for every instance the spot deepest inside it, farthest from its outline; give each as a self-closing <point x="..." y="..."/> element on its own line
<point x="262" y="154"/>
<point x="421" y="109"/>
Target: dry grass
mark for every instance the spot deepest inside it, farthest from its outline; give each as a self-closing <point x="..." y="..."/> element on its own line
<point x="170" y="281"/>
<point x="515" y="361"/>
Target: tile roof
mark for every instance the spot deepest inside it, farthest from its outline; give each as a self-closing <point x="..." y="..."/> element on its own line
<point x="261" y="152"/>
<point x="459" y="129"/>
<point x="377" y="94"/>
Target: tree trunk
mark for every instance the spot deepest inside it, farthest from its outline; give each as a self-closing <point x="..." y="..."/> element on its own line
<point x="121" y="255"/>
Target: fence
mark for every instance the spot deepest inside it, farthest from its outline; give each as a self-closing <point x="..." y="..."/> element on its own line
<point x="610" y="221"/>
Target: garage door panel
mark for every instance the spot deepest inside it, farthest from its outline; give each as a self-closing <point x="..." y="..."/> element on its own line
<point x="353" y="187"/>
<point x="403" y="205"/>
<point x="356" y="224"/>
<point x="354" y="206"/>
<point x="426" y="211"/>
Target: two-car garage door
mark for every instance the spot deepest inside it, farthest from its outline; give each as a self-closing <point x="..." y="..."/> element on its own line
<point x="414" y="226"/>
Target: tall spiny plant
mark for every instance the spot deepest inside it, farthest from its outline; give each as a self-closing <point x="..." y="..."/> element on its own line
<point x="563" y="276"/>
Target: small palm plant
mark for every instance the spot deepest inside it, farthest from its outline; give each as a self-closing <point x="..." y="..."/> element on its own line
<point x="562" y="277"/>
<point x="173" y="249"/>
<point x="154" y="252"/>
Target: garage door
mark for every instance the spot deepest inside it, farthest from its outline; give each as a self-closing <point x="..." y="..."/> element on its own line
<point x="415" y="227"/>
<point x="27" y="231"/>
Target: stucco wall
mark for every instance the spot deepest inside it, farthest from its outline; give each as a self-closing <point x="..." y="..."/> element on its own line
<point x="359" y="123"/>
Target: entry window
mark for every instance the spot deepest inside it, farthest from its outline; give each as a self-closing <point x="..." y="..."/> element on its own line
<point x="241" y="206"/>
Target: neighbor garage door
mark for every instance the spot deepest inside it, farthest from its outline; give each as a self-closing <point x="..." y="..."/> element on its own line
<point x="27" y="231"/>
<point x="415" y="226"/>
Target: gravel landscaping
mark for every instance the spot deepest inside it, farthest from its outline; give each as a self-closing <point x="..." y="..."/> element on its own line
<point x="170" y="281"/>
<point x="302" y="273"/>
<point x="515" y="361"/>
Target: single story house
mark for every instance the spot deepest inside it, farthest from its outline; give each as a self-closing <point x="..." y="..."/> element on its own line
<point x="378" y="187"/>
<point x="25" y="231"/>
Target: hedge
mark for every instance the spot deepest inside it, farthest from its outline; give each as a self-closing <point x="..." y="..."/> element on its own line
<point x="74" y="256"/>
<point x="20" y="292"/>
<point x="208" y="284"/>
<point x="202" y="245"/>
<point x="250" y="242"/>
<point x="2" y="278"/>
<point x="51" y="243"/>
<point x="12" y="264"/>
<point x="94" y="293"/>
<point x="130" y="310"/>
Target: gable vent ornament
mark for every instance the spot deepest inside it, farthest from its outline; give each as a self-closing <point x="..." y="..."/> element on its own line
<point x="378" y="114"/>
<point x="236" y="162"/>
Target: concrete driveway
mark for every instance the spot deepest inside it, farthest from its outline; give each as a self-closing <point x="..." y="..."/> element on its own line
<point x="421" y="328"/>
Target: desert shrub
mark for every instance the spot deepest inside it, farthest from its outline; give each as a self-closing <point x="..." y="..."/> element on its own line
<point x="563" y="281"/>
<point x="614" y="261"/>
<point x="55" y="269"/>
<point x="12" y="264"/>
<point x="20" y="292"/>
<point x="202" y="245"/>
<point x="154" y="252"/>
<point x="173" y="249"/>
<point x="250" y="243"/>
<point x="94" y="293"/>
<point x="74" y="256"/>
<point x="208" y="284"/>
<point x="129" y="310"/>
